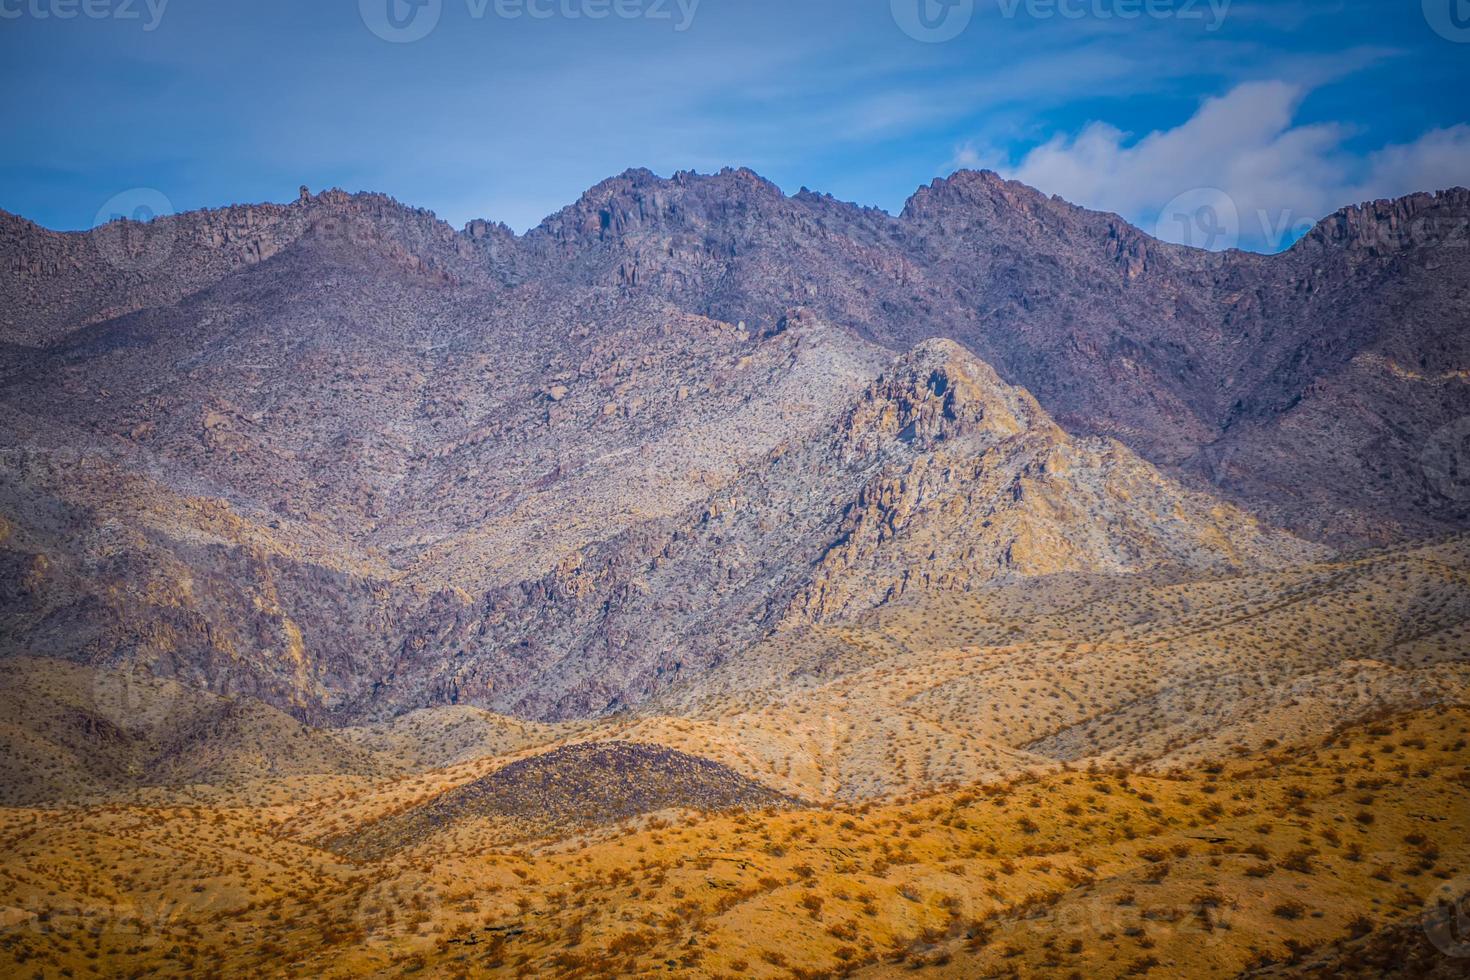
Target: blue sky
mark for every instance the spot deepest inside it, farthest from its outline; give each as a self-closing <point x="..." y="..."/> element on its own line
<point x="1277" y="112"/>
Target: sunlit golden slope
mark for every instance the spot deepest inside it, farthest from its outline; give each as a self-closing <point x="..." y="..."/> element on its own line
<point x="943" y="688"/>
<point x="1080" y="775"/>
<point x="1098" y="872"/>
<point x="1145" y="670"/>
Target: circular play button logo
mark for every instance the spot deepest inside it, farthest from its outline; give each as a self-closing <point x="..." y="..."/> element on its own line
<point x="400" y="21"/>
<point x="933" y="21"/>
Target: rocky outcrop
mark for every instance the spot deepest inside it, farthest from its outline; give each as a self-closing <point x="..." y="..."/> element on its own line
<point x="1176" y="352"/>
<point x="1380" y="228"/>
<point x="63" y="282"/>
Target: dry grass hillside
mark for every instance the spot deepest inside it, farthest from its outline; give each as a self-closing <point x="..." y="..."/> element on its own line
<point x="1150" y="671"/>
<point x="71" y="734"/>
<point x="1303" y="857"/>
<point x="435" y="738"/>
<point x="939" y="689"/>
<point x="1167" y="774"/>
<point x="586" y="785"/>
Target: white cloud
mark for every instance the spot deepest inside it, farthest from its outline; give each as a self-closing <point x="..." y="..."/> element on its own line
<point x="1244" y="149"/>
<point x="971" y="157"/>
<point x="1436" y="160"/>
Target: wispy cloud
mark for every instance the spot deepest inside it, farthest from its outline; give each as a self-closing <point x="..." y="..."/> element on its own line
<point x="512" y="118"/>
<point x="1243" y="151"/>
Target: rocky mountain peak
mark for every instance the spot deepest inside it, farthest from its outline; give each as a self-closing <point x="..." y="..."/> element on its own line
<point x="640" y="201"/>
<point x="980" y="191"/>
<point x="1387" y="226"/>
<point x="938" y="391"/>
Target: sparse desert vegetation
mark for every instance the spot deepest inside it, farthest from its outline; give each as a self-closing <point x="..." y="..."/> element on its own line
<point x="1096" y="870"/>
<point x="712" y="579"/>
<point x="1149" y="775"/>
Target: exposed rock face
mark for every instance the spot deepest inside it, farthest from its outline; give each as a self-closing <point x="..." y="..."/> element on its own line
<point x="1183" y="355"/>
<point x="1231" y="366"/>
<point x="1382" y="227"/>
<point x="821" y="490"/>
<point x="336" y="455"/>
<point x="57" y="283"/>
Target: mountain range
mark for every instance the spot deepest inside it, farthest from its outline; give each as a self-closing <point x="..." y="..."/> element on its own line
<point x="711" y="582"/>
<point x="340" y="457"/>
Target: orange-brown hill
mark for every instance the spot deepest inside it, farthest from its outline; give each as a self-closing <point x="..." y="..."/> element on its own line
<point x="584" y="785"/>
